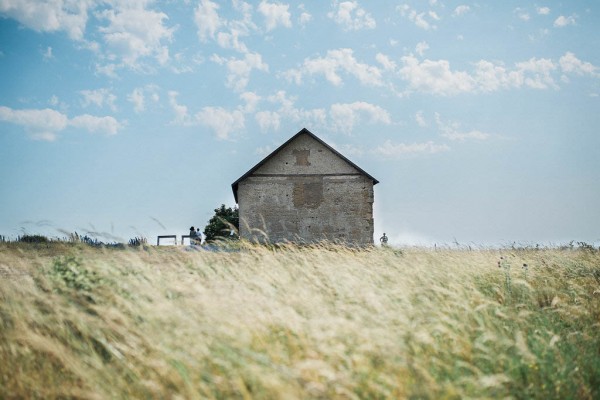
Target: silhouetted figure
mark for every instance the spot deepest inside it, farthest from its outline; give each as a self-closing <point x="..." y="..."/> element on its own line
<point x="192" y="236"/>
<point x="383" y="240"/>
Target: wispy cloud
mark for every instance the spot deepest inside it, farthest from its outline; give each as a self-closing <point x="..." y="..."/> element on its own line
<point x="451" y="130"/>
<point x="47" y="55"/>
<point x="305" y="17"/>
<point x="420" y="119"/>
<point x="393" y="150"/>
<point x="461" y="10"/>
<point x="423" y="20"/>
<point x="522" y="14"/>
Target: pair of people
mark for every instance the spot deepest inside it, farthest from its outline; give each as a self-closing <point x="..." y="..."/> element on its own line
<point x="195" y="236"/>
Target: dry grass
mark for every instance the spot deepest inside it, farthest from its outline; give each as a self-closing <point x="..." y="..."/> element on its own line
<point x="296" y="323"/>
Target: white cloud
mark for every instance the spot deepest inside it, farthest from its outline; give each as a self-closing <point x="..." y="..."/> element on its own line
<point x="47" y="55"/>
<point x="268" y="120"/>
<point x="110" y="70"/>
<point x="36" y="120"/>
<point x="221" y="121"/>
<point x="491" y="77"/>
<point x="438" y="78"/>
<point x="345" y="116"/>
<point x="316" y="117"/>
<point x="460" y="10"/>
<point x="137" y="99"/>
<point x="563" y="21"/>
<point x="389" y="149"/>
<point x="251" y="99"/>
<point x="435" y="77"/>
<point x="434" y="15"/>
<point x="107" y="125"/>
<point x="227" y="33"/>
<point x="522" y="14"/>
<point x="139" y="96"/>
<point x="275" y="14"/>
<point x="239" y="69"/>
<point x="304" y="17"/>
<point x="451" y="130"/>
<point x="181" y="112"/>
<point x="99" y="98"/>
<point x="536" y="73"/>
<point x="420" y="119"/>
<point x="385" y="61"/>
<point x="133" y="33"/>
<point x="231" y="40"/>
<point x="421" y="48"/>
<point x="570" y="63"/>
<point x="207" y="19"/>
<point x="350" y="16"/>
<point x="50" y="16"/>
<point x="543" y="10"/>
<point x="45" y="124"/>
<point x="418" y="18"/>
<point x="332" y="64"/>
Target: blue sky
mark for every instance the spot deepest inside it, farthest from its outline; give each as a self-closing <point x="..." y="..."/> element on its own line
<point x="480" y="119"/>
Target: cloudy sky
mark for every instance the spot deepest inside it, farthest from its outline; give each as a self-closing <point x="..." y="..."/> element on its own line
<point x="481" y="120"/>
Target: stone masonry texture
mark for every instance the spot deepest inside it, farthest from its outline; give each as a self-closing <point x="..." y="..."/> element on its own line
<point x="306" y="193"/>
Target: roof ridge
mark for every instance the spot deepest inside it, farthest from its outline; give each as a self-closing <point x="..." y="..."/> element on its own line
<point x="234" y="185"/>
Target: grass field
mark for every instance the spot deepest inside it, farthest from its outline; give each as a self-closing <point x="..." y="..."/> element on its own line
<point x="297" y="323"/>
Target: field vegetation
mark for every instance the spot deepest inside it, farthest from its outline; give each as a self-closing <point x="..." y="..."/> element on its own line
<point x="321" y="322"/>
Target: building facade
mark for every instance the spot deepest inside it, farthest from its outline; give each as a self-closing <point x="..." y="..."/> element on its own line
<point x="305" y="192"/>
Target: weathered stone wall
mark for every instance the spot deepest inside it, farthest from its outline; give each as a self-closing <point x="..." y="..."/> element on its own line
<point x="306" y="193"/>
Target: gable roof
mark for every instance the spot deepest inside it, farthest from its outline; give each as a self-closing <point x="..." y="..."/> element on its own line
<point x="304" y="131"/>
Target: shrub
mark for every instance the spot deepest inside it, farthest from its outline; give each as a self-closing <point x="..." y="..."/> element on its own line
<point x="33" y="239"/>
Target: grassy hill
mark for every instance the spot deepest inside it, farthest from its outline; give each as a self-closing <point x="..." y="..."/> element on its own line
<point x="297" y="323"/>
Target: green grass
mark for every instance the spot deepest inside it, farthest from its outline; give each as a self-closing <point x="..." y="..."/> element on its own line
<point x="293" y="323"/>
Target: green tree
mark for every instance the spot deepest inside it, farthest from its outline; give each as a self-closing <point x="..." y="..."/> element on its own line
<point x="220" y="226"/>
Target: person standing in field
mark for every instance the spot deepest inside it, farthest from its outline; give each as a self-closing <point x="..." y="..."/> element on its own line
<point x="383" y="240"/>
<point x="192" y="236"/>
<point x="199" y="236"/>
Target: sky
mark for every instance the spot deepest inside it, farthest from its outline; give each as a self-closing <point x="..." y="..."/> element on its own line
<point x="124" y="118"/>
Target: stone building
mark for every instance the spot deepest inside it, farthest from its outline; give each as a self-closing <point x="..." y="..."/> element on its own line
<point x="305" y="191"/>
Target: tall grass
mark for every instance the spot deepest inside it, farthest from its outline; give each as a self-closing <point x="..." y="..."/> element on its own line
<point x="293" y="323"/>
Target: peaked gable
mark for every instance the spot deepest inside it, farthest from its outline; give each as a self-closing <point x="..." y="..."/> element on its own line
<point x="304" y="131"/>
